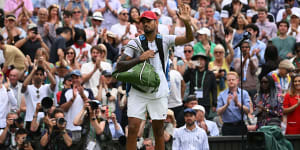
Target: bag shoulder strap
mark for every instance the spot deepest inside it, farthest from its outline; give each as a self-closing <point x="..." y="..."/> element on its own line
<point x="159" y="44"/>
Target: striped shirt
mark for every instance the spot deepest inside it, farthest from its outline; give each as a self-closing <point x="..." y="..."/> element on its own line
<point x="185" y="139"/>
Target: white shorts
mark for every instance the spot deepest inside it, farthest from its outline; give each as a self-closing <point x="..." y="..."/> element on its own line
<point x="138" y="106"/>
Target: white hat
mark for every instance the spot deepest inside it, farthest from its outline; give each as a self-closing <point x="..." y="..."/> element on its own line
<point x="294" y="13"/>
<point x="111" y="34"/>
<point x="31" y="26"/>
<point x="204" y="31"/>
<point x="156" y="10"/>
<point x="199" y="107"/>
<point x="121" y="9"/>
<point x="98" y="16"/>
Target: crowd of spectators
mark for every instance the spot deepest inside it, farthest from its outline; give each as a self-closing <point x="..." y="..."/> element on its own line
<point x="57" y="58"/>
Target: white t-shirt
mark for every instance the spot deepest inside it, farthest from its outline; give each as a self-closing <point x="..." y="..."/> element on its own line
<point x="166" y="20"/>
<point x="93" y="82"/>
<point x="281" y="11"/>
<point x="179" y="50"/>
<point x="7" y="99"/>
<point x="163" y="90"/>
<point x="120" y="30"/>
<point x="163" y="29"/>
<point x="226" y="2"/>
<point x="74" y="109"/>
<point x="90" y="31"/>
<point x="175" y="89"/>
<point x="80" y="51"/>
<point x="34" y="95"/>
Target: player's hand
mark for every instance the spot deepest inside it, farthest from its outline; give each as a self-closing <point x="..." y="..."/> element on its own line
<point x="146" y="55"/>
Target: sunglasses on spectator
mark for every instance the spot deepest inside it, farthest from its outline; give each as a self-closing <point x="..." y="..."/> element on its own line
<point x="76" y="12"/>
<point x="297" y="51"/>
<point x="69" y="53"/>
<point x="245" y="46"/>
<point x="97" y="20"/>
<point x="124" y="14"/>
<point x="187" y="51"/>
<point x="37" y="94"/>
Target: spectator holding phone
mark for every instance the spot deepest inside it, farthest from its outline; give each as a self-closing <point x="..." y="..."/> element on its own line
<point x="107" y="94"/>
<point x="89" y="118"/>
<point x="32" y="42"/>
<point x="115" y="130"/>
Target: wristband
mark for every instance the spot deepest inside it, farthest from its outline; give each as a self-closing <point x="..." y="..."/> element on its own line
<point x="68" y="67"/>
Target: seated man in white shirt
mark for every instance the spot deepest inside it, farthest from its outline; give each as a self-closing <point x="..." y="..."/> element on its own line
<point x="123" y="28"/>
<point x="162" y="28"/>
<point x="190" y="136"/>
<point x="210" y="127"/>
<point x="286" y="13"/>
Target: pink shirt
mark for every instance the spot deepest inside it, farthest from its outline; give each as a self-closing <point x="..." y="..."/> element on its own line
<point x="10" y="5"/>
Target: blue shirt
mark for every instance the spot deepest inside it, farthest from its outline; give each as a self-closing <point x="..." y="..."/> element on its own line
<point x="232" y="113"/>
<point x="78" y="4"/>
<point x="216" y="16"/>
<point x="109" y="18"/>
<point x="185" y="139"/>
<point x="115" y="133"/>
<point x="258" y="45"/>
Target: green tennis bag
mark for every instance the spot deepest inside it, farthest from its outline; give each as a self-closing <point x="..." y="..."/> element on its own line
<point x="142" y="77"/>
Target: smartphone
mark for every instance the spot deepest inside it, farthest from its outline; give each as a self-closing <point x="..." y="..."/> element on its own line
<point x="196" y="63"/>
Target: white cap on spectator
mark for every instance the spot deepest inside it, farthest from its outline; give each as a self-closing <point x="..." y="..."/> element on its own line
<point x="204" y="31"/>
<point x="294" y="13"/>
<point x="31" y="26"/>
<point x="121" y="9"/>
<point x="111" y="34"/>
<point x="156" y="10"/>
<point x="199" y="107"/>
<point x="98" y="16"/>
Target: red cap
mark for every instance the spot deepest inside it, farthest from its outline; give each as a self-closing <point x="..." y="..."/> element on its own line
<point x="149" y="15"/>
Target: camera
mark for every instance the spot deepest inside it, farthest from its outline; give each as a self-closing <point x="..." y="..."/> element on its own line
<point x="94" y="104"/>
<point x="35" y="30"/>
<point x="108" y="94"/>
<point x="25" y="143"/>
<point x="14" y="125"/>
<point x="60" y="121"/>
<point x="47" y="103"/>
<point x="222" y="70"/>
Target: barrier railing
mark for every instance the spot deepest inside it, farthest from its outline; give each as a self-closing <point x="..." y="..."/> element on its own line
<point x="235" y="142"/>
